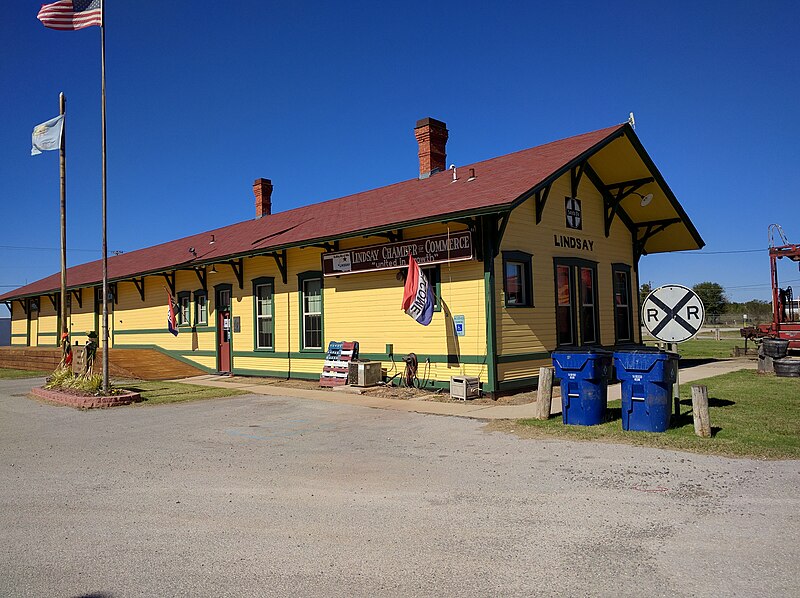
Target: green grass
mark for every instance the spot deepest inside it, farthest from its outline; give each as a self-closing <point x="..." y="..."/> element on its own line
<point x="158" y="392"/>
<point x="751" y="415"/>
<point x="12" y="374"/>
<point x="704" y="348"/>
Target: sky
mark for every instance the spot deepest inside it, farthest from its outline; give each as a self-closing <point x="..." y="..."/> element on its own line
<point x="322" y="97"/>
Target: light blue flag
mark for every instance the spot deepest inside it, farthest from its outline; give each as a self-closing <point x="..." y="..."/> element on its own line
<point x="47" y="136"/>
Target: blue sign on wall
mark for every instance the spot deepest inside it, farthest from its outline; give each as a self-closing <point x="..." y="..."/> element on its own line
<point x="459" y="323"/>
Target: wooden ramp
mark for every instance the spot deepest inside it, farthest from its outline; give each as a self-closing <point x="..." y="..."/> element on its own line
<point x="148" y="364"/>
<point x="144" y="364"/>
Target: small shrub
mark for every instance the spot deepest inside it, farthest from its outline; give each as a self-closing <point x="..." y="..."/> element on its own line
<point x="63" y="378"/>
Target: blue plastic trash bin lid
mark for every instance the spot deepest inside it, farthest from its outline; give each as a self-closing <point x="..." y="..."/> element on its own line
<point x="577" y="360"/>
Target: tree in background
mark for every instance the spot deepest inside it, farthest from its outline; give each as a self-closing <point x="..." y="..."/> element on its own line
<point x="713" y="297"/>
<point x="644" y="291"/>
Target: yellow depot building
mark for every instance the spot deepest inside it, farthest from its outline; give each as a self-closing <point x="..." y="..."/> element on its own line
<point x="527" y="253"/>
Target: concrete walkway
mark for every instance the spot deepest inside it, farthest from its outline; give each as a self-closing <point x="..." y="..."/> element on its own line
<point x="465" y="409"/>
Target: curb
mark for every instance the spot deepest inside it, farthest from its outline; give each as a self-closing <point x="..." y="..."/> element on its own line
<point x="85" y="402"/>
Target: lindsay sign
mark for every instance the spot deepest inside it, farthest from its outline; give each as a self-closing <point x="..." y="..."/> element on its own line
<point x="454" y="247"/>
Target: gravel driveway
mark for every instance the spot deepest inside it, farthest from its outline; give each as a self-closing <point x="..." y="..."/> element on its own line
<point x="274" y="496"/>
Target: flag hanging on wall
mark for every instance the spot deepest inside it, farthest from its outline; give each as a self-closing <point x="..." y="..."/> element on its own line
<point x="47" y="136"/>
<point x="172" y="324"/>
<point x="417" y="295"/>
<point x="69" y="15"/>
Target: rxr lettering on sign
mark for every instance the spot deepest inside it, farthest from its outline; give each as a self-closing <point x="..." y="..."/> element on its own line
<point x="673" y="313"/>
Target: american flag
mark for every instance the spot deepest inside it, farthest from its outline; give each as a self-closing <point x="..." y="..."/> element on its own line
<point x="71" y="14"/>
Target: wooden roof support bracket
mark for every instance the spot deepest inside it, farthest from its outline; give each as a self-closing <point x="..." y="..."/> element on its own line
<point x="8" y="305"/>
<point x="24" y="304"/>
<point x="501" y="229"/>
<point x="78" y="297"/>
<point x="613" y="195"/>
<point x="328" y="246"/>
<point x="391" y="236"/>
<point x="202" y="276"/>
<point x="280" y="260"/>
<point x="651" y="229"/>
<point x="476" y="228"/>
<point x="139" y="284"/>
<point x="170" y="281"/>
<point x="540" y="199"/>
<point x="238" y="270"/>
<point x="575" y="175"/>
<point x="54" y="300"/>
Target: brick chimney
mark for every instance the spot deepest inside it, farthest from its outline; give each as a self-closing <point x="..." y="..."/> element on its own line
<point x="431" y="135"/>
<point x="262" y="188"/>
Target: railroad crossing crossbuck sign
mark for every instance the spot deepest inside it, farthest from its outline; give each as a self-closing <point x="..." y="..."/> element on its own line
<point x="672" y="313"/>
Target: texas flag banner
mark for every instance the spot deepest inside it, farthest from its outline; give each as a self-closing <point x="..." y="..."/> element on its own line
<point x="172" y="324"/>
<point x="417" y="295"/>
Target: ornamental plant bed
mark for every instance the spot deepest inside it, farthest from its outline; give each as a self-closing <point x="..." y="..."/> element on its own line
<point x="75" y="398"/>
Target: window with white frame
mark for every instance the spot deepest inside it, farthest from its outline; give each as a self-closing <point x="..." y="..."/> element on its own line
<point x="311" y="303"/>
<point x="200" y="308"/>
<point x="263" y="291"/>
<point x="183" y="309"/>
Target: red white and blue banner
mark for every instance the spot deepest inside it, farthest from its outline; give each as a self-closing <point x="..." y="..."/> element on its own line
<point x="417" y="295"/>
<point x="69" y="15"/>
<point x="172" y="324"/>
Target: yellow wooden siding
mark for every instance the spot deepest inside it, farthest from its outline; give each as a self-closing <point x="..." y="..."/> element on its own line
<point x="138" y="322"/>
<point x="81" y="320"/>
<point x="521" y="370"/>
<point x="367" y="308"/>
<point x="19" y="325"/>
<point x="362" y="307"/>
<point x="533" y="330"/>
<point x="48" y="323"/>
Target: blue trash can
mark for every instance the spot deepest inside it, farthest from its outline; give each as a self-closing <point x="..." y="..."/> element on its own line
<point x="647" y="375"/>
<point x="584" y="377"/>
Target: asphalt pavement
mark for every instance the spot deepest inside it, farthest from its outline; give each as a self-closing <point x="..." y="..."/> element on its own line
<point x="273" y="496"/>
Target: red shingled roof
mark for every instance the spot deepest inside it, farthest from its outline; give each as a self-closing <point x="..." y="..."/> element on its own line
<point x="499" y="181"/>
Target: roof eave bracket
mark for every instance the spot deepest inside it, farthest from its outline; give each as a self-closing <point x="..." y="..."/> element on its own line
<point x="139" y="284"/>
<point x="651" y="229"/>
<point x="280" y="260"/>
<point x="238" y="270"/>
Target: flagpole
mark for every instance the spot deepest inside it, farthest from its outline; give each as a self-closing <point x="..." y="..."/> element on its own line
<point x="62" y="105"/>
<point x="105" y="244"/>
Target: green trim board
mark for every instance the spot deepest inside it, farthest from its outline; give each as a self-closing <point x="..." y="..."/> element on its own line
<point x="517" y="357"/>
<point x="163" y="330"/>
<point x="19" y="335"/>
<point x="382" y="357"/>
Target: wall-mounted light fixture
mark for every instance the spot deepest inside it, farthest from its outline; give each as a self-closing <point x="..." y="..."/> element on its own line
<point x="646" y="199"/>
